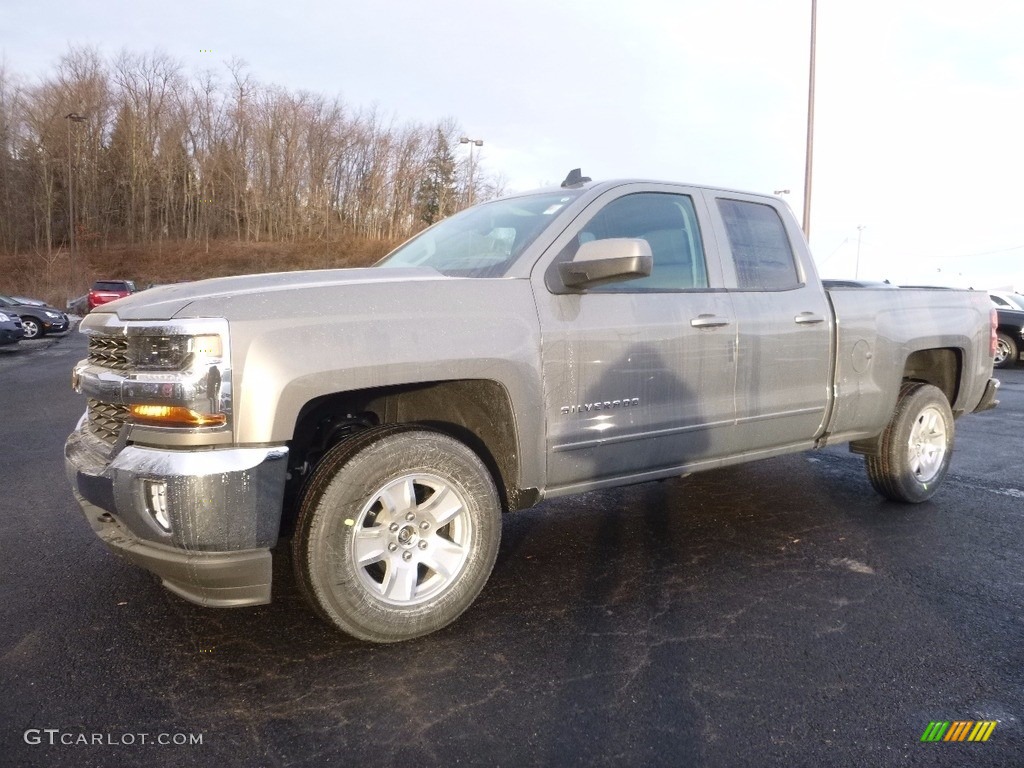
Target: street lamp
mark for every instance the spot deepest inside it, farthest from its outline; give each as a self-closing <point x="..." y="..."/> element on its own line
<point x="72" y="117"/>
<point x="472" y="143"/>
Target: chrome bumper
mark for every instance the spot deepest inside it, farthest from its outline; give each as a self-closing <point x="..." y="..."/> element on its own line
<point x="222" y="508"/>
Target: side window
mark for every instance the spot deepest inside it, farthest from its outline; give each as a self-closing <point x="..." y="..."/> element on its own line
<point x="669" y="224"/>
<point x="760" y="247"/>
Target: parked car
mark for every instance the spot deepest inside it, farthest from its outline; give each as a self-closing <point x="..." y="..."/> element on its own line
<point x="1009" y="337"/>
<point x="79" y="305"/>
<point x="11" y="329"/>
<point x="37" y="320"/>
<point x="30" y="302"/>
<point x="1005" y="300"/>
<point x="104" y="291"/>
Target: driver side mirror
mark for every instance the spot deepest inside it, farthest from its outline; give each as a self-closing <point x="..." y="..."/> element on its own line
<point x="607" y="261"/>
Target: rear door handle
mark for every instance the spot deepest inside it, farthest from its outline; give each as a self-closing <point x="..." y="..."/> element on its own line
<point x="808" y="318"/>
<point x="709" y="321"/>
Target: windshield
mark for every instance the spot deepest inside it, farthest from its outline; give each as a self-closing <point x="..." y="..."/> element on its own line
<point x="483" y="241"/>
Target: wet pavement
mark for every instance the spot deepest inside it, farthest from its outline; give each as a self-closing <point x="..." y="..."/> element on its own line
<point x="778" y="613"/>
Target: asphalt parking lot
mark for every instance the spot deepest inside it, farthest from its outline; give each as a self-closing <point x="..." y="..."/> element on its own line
<point x="777" y="613"/>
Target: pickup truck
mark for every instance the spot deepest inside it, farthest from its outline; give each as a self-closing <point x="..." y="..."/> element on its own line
<point x="550" y="343"/>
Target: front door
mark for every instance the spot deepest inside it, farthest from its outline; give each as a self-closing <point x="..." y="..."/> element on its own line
<point x="639" y="375"/>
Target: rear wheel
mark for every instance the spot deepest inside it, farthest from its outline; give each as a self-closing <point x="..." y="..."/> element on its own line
<point x="916" y="447"/>
<point x="398" y="531"/>
<point x="1006" y="351"/>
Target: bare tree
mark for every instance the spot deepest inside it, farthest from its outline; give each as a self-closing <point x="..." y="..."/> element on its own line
<point x="161" y="156"/>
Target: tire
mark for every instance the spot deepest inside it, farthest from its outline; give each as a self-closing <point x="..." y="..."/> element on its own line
<point x="33" y="328"/>
<point x="916" y="446"/>
<point x="397" y="533"/>
<point x="1006" y="351"/>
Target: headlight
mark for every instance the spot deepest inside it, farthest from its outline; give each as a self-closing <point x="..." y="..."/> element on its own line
<point x="180" y="374"/>
<point x="52" y="315"/>
<point x="4" y="318"/>
<point x="173" y="353"/>
<point x="170" y="373"/>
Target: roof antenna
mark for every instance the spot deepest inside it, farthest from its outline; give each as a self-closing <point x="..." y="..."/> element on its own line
<point x="575" y="178"/>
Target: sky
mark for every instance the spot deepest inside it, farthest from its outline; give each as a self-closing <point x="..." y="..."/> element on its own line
<point x="919" y="112"/>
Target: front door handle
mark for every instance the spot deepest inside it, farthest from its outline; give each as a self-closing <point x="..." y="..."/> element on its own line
<point x="808" y="318"/>
<point x="709" y="321"/>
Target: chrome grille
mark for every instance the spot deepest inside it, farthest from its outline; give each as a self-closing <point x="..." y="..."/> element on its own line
<point x="106" y="420"/>
<point x="109" y="352"/>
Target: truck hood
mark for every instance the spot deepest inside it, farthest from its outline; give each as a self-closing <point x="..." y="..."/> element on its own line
<point x="168" y="301"/>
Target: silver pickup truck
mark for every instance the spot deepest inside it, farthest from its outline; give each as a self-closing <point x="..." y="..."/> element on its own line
<point x="544" y="344"/>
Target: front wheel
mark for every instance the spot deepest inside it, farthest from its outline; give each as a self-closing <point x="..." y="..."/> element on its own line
<point x="916" y="446"/>
<point x="33" y="328"/>
<point x="1006" y="351"/>
<point x="398" y="531"/>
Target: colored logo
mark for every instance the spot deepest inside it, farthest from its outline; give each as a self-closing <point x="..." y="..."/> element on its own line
<point x="959" y="730"/>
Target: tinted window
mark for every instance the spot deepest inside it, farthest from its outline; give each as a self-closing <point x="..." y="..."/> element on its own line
<point x="760" y="248"/>
<point x="111" y="285"/>
<point x="669" y="224"/>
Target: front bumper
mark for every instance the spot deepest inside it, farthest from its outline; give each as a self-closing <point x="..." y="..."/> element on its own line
<point x="11" y="335"/>
<point x="56" y="326"/>
<point x="222" y="506"/>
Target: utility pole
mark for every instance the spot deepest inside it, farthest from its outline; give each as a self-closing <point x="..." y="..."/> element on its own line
<point x="810" y="124"/>
<point x="72" y="117"/>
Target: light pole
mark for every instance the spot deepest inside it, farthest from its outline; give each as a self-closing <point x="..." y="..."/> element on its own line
<point x="72" y="117"/>
<point x="810" y="124"/>
<point x="472" y="143"/>
<point x="856" y="268"/>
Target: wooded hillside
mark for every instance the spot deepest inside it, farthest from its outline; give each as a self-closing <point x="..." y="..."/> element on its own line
<point x="134" y="158"/>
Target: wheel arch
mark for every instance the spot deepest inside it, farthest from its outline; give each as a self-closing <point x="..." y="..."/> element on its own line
<point x="1014" y="331"/>
<point x="477" y="412"/>
<point x="941" y="367"/>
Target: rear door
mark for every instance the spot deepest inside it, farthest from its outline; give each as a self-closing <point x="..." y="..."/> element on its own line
<point x="638" y="375"/>
<point x="783" y="323"/>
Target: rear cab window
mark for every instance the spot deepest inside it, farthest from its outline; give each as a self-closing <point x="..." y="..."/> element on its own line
<point x="761" y="252"/>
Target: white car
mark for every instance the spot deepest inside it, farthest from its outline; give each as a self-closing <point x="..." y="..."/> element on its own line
<point x="1005" y="300"/>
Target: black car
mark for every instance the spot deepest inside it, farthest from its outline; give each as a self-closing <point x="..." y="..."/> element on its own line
<point x="11" y="330"/>
<point x="1010" y="340"/>
<point x="37" y="320"/>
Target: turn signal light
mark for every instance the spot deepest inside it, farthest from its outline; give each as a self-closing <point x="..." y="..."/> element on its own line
<point x="175" y="416"/>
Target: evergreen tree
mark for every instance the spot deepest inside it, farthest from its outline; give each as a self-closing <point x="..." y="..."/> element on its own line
<point x="438" y="196"/>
